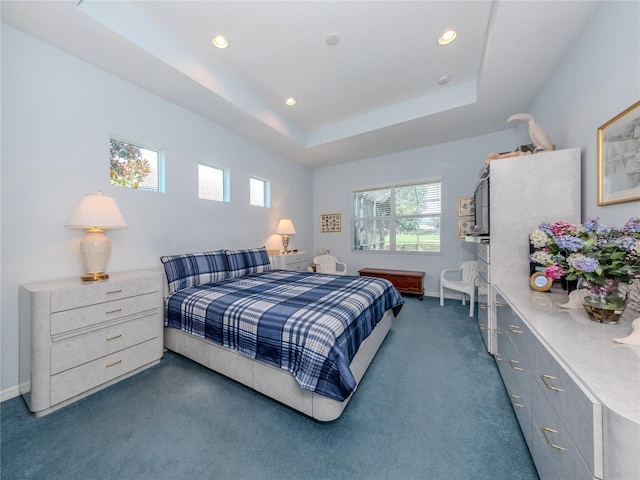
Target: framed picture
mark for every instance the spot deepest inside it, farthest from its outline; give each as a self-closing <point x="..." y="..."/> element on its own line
<point x="464" y="226"/>
<point x="619" y="158"/>
<point x="466" y="206"/>
<point x="330" y="222"/>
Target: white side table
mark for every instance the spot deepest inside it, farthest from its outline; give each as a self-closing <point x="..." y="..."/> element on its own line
<point x="292" y="261"/>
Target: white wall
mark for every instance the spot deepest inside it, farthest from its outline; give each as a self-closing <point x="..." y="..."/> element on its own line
<point x="599" y="78"/>
<point x="458" y="163"/>
<point x="57" y="115"/>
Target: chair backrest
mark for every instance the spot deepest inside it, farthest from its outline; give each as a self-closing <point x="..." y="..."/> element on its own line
<point x="326" y="263"/>
<point x="469" y="271"/>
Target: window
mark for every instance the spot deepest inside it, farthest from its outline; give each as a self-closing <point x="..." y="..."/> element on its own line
<point x="398" y="218"/>
<point x="213" y="183"/>
<point x="134" y="166"/>
<point x="259" y="192"/>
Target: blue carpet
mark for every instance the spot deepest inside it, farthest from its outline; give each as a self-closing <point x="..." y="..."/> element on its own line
<point x="431" y="406"/>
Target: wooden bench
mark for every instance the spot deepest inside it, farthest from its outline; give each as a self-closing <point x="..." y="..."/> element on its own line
<point x="405" y="281"/>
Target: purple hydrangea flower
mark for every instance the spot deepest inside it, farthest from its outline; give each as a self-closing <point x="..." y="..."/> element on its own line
<point x="569" y="243"/>
<point x="632" y="225"/>
<point x="587" y="264"/>
<point x="546" y="228"/>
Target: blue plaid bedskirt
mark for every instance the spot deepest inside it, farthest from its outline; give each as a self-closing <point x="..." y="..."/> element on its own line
<point x="308" y="324"/>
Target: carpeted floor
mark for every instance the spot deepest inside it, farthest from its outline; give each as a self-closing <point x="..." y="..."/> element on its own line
<point x="431" y="406"/>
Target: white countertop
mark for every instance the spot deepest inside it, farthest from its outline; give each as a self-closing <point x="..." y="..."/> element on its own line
<point x="611" y="371"/>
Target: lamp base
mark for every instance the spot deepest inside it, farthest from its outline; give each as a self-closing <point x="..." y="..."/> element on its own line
<point x="95" y="247"/>
<point x="285" y="243"/>
<point x="94" y="276"/>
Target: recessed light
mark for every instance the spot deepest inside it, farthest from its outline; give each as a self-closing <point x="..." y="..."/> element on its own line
<point x="290" y="101"/>
<point x="220" y="41"/>
<point x="447" y="37"/>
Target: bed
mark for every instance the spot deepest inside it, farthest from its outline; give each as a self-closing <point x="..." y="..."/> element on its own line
<point x="304" y="339"/>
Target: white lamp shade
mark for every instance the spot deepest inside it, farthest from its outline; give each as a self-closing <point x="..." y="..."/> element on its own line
<point x="285" y="227"/>
<point x="98" y="211"/>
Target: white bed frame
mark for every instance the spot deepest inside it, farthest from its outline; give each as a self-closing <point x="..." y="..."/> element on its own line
<point x="275" y="383"/>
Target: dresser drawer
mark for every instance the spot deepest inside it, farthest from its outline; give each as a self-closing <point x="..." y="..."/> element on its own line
<point x="90" y="294"/>
<point x="69" y="320"/>
<point x="556" y="442"/>
<point x="582" y="416"/>
<point x="77" y="380"/>
<point x="69" y="353"/>
<point x="483" y="253"/>
<point x="484" y="271"/>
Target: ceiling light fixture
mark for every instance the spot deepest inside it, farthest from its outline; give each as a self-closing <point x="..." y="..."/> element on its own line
<point x="220" y="41"/>
<point x="290" y="101"/>
<point x="447" y="37"/>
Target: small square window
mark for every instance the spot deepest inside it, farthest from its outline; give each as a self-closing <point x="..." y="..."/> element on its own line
<point x="135" y="166"/>
<point x="213" y="183"/>
<point x="259" y="192"/>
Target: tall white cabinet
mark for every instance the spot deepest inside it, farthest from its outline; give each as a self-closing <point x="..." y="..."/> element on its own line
<point x="524" y="192"/>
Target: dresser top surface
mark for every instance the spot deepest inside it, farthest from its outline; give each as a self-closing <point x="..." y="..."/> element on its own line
<point x="610" y="370"/>
<point x="77" y="282"/>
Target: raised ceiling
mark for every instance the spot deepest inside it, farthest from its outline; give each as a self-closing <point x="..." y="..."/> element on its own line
<point x="376" y="91"/>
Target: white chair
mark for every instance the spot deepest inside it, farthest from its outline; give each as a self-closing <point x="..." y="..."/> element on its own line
<point x="468" y="279"/>
<point x="328" y="264"/>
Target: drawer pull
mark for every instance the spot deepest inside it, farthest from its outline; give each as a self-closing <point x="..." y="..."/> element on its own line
<point x="114" y="363"/>
<point x="482" y="306"/>
<point x="498" y="357"/>
<point x="114" y="291"/>
<point x="545" y="377"/>
<point x="109" y="312"/>
<point x="515" y="329"/>
<point x="498" y="304"/>
<point x="514" y="401"/>
<point x="546" y="439"/>
<point x="483" y="326"/>
<point x="498" y="331"/>
<point x="515" y="362"/>
<point x="114" y="337"/>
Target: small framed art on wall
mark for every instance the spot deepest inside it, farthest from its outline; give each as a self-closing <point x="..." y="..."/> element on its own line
<point x="330" y="222"/>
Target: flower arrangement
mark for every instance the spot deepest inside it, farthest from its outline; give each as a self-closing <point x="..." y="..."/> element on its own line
<point x="604" y="256"/>
<point x="591" y="250"/>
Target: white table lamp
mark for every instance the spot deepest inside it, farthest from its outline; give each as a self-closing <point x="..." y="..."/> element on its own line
<point x="285" y="228"/>
<point x="96" y="213"/>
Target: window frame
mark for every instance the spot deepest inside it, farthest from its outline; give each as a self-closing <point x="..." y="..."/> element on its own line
<point x="392" y="218"/>
<point x="160" y="167"/>
<point x="226" y="182"/>
<point x="266" y="191"/>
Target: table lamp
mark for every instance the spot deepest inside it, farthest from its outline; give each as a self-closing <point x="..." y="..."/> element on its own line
<point x="96" y="213"/>
<point x="285" y="228"/>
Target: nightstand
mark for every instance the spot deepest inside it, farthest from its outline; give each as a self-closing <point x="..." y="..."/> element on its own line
<point x="292" y="261"/>
<point x="79" y="337"/>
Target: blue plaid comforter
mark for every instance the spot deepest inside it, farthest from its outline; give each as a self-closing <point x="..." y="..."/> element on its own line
<point x="309" y="324"/>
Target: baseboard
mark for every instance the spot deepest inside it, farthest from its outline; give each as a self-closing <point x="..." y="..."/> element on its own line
<point x="9" y="393"/>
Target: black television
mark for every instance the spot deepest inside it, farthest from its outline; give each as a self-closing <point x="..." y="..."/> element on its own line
<point x="481" y="207"/>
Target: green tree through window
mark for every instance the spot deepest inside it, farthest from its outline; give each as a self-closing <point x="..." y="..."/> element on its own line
<point x="129" y="168"/>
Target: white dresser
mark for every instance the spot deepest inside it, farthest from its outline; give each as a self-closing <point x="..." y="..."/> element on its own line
<point x="575" y="392"/>
<point x="293" y="261"/>
<point x="78" y="337"/>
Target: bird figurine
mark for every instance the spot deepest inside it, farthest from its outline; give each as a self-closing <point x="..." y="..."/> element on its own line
<point x="539" y="137"/>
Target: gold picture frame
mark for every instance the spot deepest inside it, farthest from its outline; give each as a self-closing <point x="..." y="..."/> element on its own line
<point x="466" y="206"/>
<point x="619" y="158"/>
<point x="330" y="223"/>
<point x="465" y="226"/>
